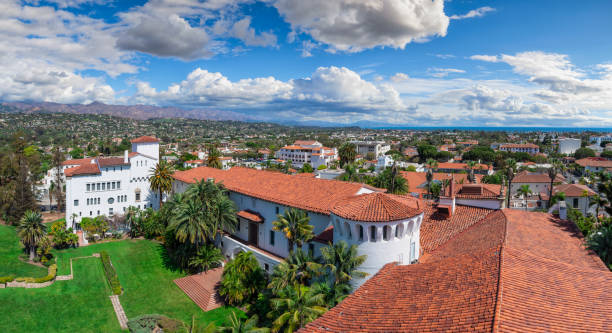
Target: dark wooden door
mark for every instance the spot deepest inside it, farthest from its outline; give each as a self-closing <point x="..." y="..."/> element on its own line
<point x="253" y="231"/>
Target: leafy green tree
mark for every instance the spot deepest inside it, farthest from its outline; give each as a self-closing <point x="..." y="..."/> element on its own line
<point x="391" y="180"/>
<point x="242" y="279"/>
<point x="427" y="151"/>
<point x="191" y="223"/>
<point x="347" y="153"/>
<point x="584" y="152"/>
<point x="219" y="209"/>
<point x="600" y="241"/>
<point x="307" y="168"/>
<point x="295" y="224"/>
<point x="160" y="179"/>
<point x="208" y="257"/>
<point x="295" y="307"/>
<point x="239" y="325"/>
<point x="97" y="225"/>
<point x="31" y="231"/>
<point x="76" y="152"/>
<point x="435" y="189"/>
<point x="350" y="173"/>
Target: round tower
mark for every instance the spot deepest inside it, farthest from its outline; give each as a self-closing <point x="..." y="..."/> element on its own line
<point x="384" y="227"/>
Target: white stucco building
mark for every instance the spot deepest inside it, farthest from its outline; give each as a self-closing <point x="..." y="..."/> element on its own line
<point x="312" y="152"/>
<point x="377" y="148"/>
<point x="529" y="148"/>
<point x="384" y="227"/>
<point x="568" y="145"/>
<point x="109" y="185"/>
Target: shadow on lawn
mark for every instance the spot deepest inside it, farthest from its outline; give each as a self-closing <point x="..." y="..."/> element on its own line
<point x="167" y="259"/>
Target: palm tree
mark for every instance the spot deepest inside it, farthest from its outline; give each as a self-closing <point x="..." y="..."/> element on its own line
<point x="471" y="165"/>
<point x="214" y="157"/>
<point x="190" y="223"/>
<point x="296" y="306"/>
<point x="208" y="257"/>
<point x="524" y="191"/>
<point x="220" y="210"/>
<point x="600" y="241"/>
<point x="445" y="184"/>
<point x="599" y="201"/>
<point x="343" y="261"/>
<point x="296" y="227"/>
<point x="332" y="295"/>
<point x="429" y="176"/>
<point x="510" y="170"/>
<point x="300" y="267"/>
<point x="161" y="179"/>
<point x="350" y="173"/>
<point x="431" y="164"/>
<point x="51" y="189"/>
<point x="552" y="174"/>
<point x="242" y="279"/>
<point x="347" y="153"/>
<point x="132" y="217"/>
<point x="31" y="230"/>
<point x="238" y="325"/>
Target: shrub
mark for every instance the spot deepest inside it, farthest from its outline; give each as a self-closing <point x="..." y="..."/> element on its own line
<point x="5" y="279"/>
<point x="110" y="273"/>
<point x="322" y="167"/>
<point x="149" y="322"/>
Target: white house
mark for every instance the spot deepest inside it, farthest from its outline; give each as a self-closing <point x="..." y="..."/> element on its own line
<point x="312" y="152"/>
<point x="377" y="148"/>
<point x="577" y="196"/>
<point x="595" y="164"/>
<point x="384" y="227"/>
<point x="109" y="185"/>
<point x="568" y="145"/>
<point x="529" y="148"/>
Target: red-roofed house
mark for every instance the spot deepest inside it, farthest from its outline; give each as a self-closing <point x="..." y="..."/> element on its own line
<point x="529" y="148"/>
<point x="312" y="152"/>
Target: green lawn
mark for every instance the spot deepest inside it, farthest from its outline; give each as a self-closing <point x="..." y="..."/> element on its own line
<point x="10" y="250"/>
<point x="83" y="305"/>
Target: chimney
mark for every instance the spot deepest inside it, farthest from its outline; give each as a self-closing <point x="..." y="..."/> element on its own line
<point x="125" y="157"/>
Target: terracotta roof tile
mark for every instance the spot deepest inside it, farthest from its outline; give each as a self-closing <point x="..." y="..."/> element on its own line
<point x="594" y="162"/>
<point x="250" y="215"/>
<point x="573" y="190"/>
<point x="378" y="207"/>
<point x="84" y="169"/>
<point x="326" y="236"/>
<point x="519" y="145"/>
<point x="313" y="194"/>
<point x="111" y="161"/>
<point x="144" y="139"/>
<point x="417" y="180"/>
<point x="535" y="177"/>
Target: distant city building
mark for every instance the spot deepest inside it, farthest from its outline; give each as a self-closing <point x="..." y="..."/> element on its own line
<point x="595" y="164"/>
<point x="601" y="138"/>
<point x="194" y="163"/>
<point x="568" y="145"/>
<point x="375" y="147"/>
<point x="109" y="185"/>
<point x="312" y="152"/>
<point x="529" y="148"/>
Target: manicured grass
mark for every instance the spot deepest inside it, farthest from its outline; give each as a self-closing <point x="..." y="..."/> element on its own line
<point x="82" y="304"/>
<point x="10" y="250"/>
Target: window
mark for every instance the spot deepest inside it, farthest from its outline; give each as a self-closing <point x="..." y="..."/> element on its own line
<point x="238" y="226"/>
<point x="110" y="211"/>
<point x="98" y="213"/>
<point x="311" y="249"/>
<point x="76" y="202"/>
<point x="266" y="267"/>
<point x="360" y="232"/>
<point x="88" y="187"/>
<point x="272" y="237"/>
<point x="386" y="232"/>
<point x="111" y="201"/>
<point x="575" y="202"/>
<point x="113" y="185"/>
<point x="90" y="213"/>
<point x="103" y="186"/>
<point x="373" y="233"/>
<point x="118" y="185"/>
<point x="108" y="185"/>
<point x="97" y="186"/>
<point x="277" y="210"/>
<point x="138" y="196"/>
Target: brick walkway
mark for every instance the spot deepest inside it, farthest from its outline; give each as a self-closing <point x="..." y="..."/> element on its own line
<point x="202" y="288"/>
<point x="119" y="311"/>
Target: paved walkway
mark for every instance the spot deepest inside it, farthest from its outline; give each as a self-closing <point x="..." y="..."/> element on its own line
<point x="119" y="311"/>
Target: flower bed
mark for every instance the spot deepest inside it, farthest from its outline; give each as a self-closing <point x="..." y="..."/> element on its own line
<point x="110" y="273"/>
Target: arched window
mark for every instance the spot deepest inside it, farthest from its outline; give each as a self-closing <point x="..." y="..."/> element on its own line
<point x="373" y="233"/>
<point x="360" y="228"/>
<point x="386" y="232"/>
<point x="399" y="230"/>
<point x="347" y="229"/>
<point x="410" y="227"/>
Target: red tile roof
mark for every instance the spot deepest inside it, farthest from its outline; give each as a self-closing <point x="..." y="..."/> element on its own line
<point x="251" y="216"/>
<point x="519" y="145"/>
<point x="144" y="139"/>
<point x="573" y="190"/>
<point x="417" y="180"/>
<point x="77" y="161"/>
<point x="594" y="162"/>
<point x="477" y="191"/>
<point x="313" y="194"/>
<point x="378" y="207"/>
<point x="326" y="236"/>
<point x="462" y="166"/>
<point x="512" y="271"/>
<point x="535" y="177"/>
<point x="83" y="169"/>
<point x="111" y="161"/>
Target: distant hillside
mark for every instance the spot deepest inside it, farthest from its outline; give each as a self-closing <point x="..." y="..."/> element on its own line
<point x="141" y="112"/>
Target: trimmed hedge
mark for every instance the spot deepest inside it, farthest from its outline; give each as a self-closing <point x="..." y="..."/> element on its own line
<point x="110" y="273"/>
<point x="50" y="276"/>
<point x="5" y="279"/>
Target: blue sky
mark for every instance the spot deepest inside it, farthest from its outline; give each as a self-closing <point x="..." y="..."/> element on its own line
<point x="394" y="62"/>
